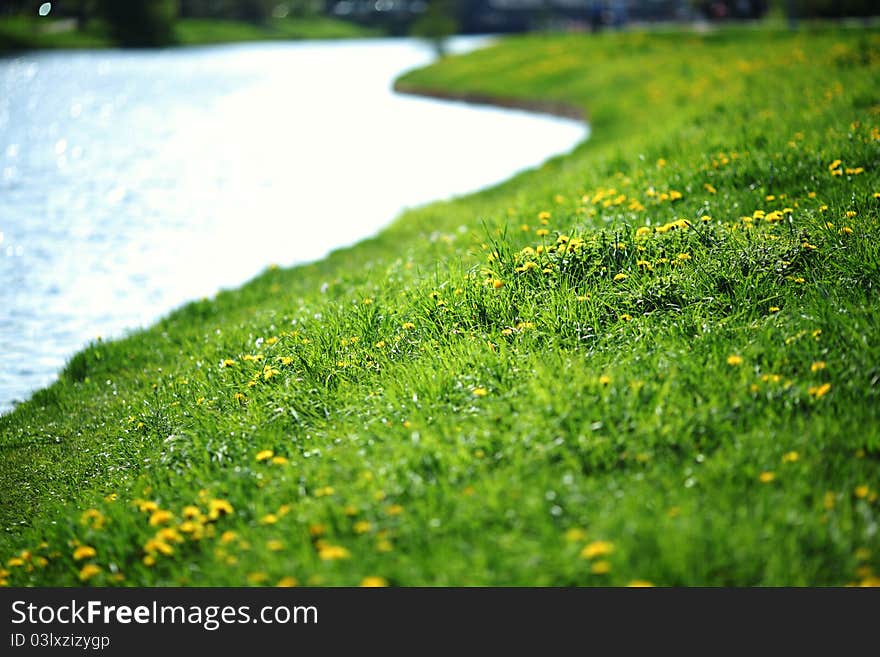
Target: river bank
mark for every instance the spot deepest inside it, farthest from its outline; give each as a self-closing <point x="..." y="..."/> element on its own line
<point x="651" y="361"/>
<point x="22" y="34"/>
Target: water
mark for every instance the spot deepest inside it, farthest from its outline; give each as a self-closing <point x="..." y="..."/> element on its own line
<point x="132" y="182"/>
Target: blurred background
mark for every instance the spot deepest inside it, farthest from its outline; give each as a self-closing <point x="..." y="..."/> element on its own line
<point x="165" y="22"/>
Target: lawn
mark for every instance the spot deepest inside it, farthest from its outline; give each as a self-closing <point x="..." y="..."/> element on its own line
<point x="655" y="360"/>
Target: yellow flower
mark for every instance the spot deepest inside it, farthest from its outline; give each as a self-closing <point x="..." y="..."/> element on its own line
<point x="384" y="545"/>
<point x="774" y="309"/>
<point x="190" y="511"/>
<point x="819" y="391"/>
<point x="269" y="519"/>
<point x="279" y="460"/>
<point x="575" y="535"/>
<point x="766" y="477"/>
<point x="373" y="582"/>
<point x="408" y="325"/>
<point x="600" y="568"/>
<point x="84" y="552"/>
<point x="790" y="457"/>
<point x="541" y="232"/>
<point x="620" y="277"/>
<point x="497" y="283"/>
<point x="160" y="516"/>
<point x="332" y="553"/>
<point x="146" y="506"/>
<point x="394" y="510"/>
<point x="228" y="362"/>
<point x="734" y="360"/>
<point x="265" y="454"/>
<point x="88" y="571"/>
<point x="325" y="491"/>
<point x="287" y="582"/>
<point x="861" y="491"/>
<point x="362" y="526"/>
<point x="257" y="577"/>
<point x="480" y="392"/>
<point x="217" y="508"/>
<point x="368" y="301"/>
<point x="597" y="549"/>
<point x="818" y="365"/>
<point x="274" y="545"/>
<point x="605" y="380"/>
<point x="684" y="256"/>
<point x="640" y="584"/>
<point x="228" y="536"/>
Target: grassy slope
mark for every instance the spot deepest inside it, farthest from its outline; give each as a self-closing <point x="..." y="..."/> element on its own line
<point x="24" y="33"/>
<point x="450" y="414"/>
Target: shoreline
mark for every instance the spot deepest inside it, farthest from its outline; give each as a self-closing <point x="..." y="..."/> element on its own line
<point x="554" y="108"/>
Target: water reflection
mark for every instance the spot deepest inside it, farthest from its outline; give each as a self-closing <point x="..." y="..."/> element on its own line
<point x="133" y="182"/>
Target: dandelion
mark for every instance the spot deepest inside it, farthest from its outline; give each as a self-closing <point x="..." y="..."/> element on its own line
<point x="597" y="549"/>
<point x="818" y="365"/>
<point x="279" y="460"/>
<point x="257" y="577"/>
<point x="217" y="508"/>
<point x="228" y="536"/>
<point x="84" y="552"/>
<point x="640" y="584"/>
<point x="265" y="454"/>
<point x="333" y="553"/>
<point x="362" y="527"/>
<point x="542" y="232"/>
<point x="734" y="360"/>
<point x="408" y="326"/>
<point x="575" y="535"/>
<point x="774" y="309"/>
<point x="160" y="517"/>
<point x="269" y="519"/>
<point x="790" y="457"/>
<point x="373" y="582"/>
<point x="684" y="256"/>
<point x="625" y="318"/>
<point x="88" y="572"/>
<point x="324" y="491"/>
<point x="497" y="283"/>
<point x="620" y="277"/>
<point x="394" y="510"/>
<point x="367" y="301"/>
<point x="287" y="582"/>
<point x="766" y="477"/>
<point x="479" y="392"/>
<point x="819" y="391"/>
<point x="228" y="362"/>
<point x="384" y="545"/>
<point x="605" y="380"/>
<point x="861" y="491"/>
<point x="600" y="568"/>
<point x="274" y="545"/>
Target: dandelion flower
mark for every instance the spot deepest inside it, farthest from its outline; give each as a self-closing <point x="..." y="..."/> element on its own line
<point x="790" y="457"/>
<point x="84" y="552"/>
<point x="861" y="491"/>
<point x="600" y="568"/>
<point x="640" y="584"/>
<point x="265" y="454"/>
<point x="88" y="571"/>
<point x="734" y="360"/>
<point x="480" y="392"/>
<point x="373" y="582"/>
<point x="766" y="477"/>
<point x="333" y="553"/>
<point x="597" y="549"/>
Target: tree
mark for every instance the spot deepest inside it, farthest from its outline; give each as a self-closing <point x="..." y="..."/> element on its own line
<point x="140" y="23"/>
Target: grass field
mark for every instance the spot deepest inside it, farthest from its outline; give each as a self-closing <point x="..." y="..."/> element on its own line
<point x="653" y="360"/>
<point x="20" y="33"/>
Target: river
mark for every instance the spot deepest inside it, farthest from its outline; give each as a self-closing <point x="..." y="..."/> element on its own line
<point x="134" y="181"/>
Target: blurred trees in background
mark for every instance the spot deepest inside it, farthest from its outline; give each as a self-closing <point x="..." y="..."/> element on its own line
<point x="139" y="23"/>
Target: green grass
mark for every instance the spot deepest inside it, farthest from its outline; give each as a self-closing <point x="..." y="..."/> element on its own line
<point x="577" y="377"/>
<point x="25" y="33"/>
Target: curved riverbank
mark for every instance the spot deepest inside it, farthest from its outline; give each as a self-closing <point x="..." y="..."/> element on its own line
<point x="650" y="360"/>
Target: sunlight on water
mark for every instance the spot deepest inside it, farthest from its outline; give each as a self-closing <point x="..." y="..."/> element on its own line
<point x="133" y="182"/>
